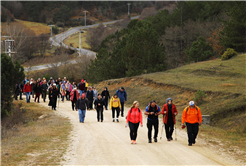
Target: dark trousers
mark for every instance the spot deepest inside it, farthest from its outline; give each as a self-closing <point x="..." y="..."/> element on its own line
<point x="90" y="102"/>
<point x="37" y="96"/>
<point x="117" y="111"/>
<point x="68" y="95"/>
<point x="99" y="113"/>
<point x="74" y="104"/>
<point x="169" y="130"/>
<point x="151" y="123"/>
<point x="44" y="95"/>
<point x="133" y="130"/>
<point x="106" y="103"/>
<point x="192" y="131"/>
<point x="122" y="108"/>
<point x="53" y="101"/>
<point x="17" y="94"/>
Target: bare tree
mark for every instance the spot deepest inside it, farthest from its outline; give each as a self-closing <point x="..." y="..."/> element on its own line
<point x="43" y="43"/>
<point x="149" y="11"/>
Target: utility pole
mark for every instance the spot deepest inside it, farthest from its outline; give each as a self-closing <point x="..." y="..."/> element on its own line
<point x="128" y="9"/>
<point x="85" y="17"/>
<point x="80" y="41"/>
<point x="51" y="34"/>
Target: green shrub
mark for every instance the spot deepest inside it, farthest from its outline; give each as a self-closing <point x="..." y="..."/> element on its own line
<point x="200" y="50"/>
<point x="199" y="97"/>
<point x="229" y="53"/>
<point x="55" y="30"/>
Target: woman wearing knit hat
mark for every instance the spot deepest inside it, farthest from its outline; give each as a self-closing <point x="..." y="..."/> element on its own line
<point x="134" y="117"/>
<point x="169" y="112"/>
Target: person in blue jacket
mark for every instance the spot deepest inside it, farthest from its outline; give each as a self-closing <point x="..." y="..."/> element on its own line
<point x="123" y="98"/>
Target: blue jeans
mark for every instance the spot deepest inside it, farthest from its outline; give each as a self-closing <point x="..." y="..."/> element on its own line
<point x="81" y="92"/>
<point x="81" y="115"/>
<point x="28" y="94"/>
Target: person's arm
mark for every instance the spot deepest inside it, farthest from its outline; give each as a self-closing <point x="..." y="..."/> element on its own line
<point x="159" y="111"/>
<point x="183" y="116"/>
<point x="163" y="109"/>
<point x="146" y="111"/>
<point x="125" y="95"/>
<point x="141" y="117"/>
<point x="110" y="104"/>
<point x="199" y="116"/>
<point x="24" y="88"/>
<point x="128" y="116"/>
<point x="175" y="111"/>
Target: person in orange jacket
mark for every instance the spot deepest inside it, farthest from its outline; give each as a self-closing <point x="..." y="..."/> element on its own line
<point x="193" y="118"/>
<point x="169" y="112"/>
<point x="134" y="117"/>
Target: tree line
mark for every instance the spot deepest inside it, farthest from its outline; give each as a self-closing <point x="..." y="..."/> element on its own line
<point x="193" y="31"/>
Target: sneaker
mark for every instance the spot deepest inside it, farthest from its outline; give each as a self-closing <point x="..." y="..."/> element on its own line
<point x="122" y="115"/>
<point x="171" y="138"/>
<point x="113" y="120"/>
<point x="134" y="142"/>
<point x="150" y="141"/>
<point x="194" y="142"/>
<point x="117" y="120"/>
<point x="190" y="144"/>
<point x="155" y="139"/>
<point x="168" y="139"/>
<point x="101" y="120"/>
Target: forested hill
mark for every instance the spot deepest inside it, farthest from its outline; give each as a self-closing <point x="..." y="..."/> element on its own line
<point x="70" y="13"/>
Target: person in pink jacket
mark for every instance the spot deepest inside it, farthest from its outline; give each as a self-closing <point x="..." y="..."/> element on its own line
<point x="134" y="117"/>
<point x="69" y="89"/>
<point x="74" y="97"/>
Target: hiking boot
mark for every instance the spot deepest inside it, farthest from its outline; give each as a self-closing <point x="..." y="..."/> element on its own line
<point x="155" y="139"/>
<point x="190" y="144"/>
<point x="194" y="142"/>
<point x="150" y="141"/>
<point x="171" y="138"/>
<point x="168" y="139"/>
<point x="101" y="120"/>
<point x="117" y="120"/>
<point x="113" y="120"/>
<point x="122" y="115"/>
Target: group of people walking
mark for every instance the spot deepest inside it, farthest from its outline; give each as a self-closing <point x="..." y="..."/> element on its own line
<point x="83" y="96"/>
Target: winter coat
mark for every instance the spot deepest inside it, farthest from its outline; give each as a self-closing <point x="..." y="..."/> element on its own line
<point x="44" y="87"/>
<point x="192" y="115"/>
<point x="37" y="89"/>
<point x="165" y="117"/>
<point x="82" y="104"/>
<point x="72" y="95"/>
<point x="27" y="88"/>
<point x="122" y="95"/>
<point x="155" y="109"/>
<point x="53" y="92"/>
<point x="95" y="93"/>
<point x="69" y="87"/>
<point x="90" y="95"/>
<point x="81" y="86"/>
<point x="114" y="102"/>
<point x="106" y="94"/>
<point x="101" y="102"/>
<point x="134" y="115"/>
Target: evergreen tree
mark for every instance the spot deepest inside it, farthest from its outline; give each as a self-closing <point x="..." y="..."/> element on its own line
<point x="234" y="33"/>
<point x="11" y="74"/>
<point x="200" y="50"/>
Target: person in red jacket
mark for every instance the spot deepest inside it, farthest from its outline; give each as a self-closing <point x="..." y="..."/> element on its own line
<point x="74" y="97"/>
<point x="27" y="90"/>
<point x="169" y="112"/>
<point x="134" y="116"/>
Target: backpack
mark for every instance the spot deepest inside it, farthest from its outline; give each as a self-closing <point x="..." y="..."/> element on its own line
<point x="187" y="108"/>
<point x="138" y="110"/>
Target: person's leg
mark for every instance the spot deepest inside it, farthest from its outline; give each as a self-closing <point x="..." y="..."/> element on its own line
<point x="98" y="112"/>
<point x="149" y="126"/>
<point x="29" y="96"/>
<point x="122" y="109"/>
<point x="189" y="133"/>
<point x="26" y="97"/>
<point x="83" y="115"/>
<point x="118" y="113"/>
<point x="38" y="96"/>
<point x="135" y="131"/>
<point x="195" y="129"/>
<point x="131" y="126"/>
<point x="167" y="131"/>
<point x="80" y="115"/>
<point x="171" y="126"/>
<point x="106" y="104"/>
<point x="101" y="114"/>
<point x="156" y="126"/>
<point x="21" y="96"/>
<point x="113" y="112"/>
<point x="72" y="105"/>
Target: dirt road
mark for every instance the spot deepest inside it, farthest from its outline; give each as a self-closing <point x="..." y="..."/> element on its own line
<point x="108" y="143"/>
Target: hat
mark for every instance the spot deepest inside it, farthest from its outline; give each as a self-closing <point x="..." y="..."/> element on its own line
<point x="82" y="80"/>
<point x="31" y="78"/>
<point x="122" y="87"/>
<point x="191" y="103"/>
<point x="51" y="78"/>
<point x="54" y="84"/>
<point x="83" y="95"/>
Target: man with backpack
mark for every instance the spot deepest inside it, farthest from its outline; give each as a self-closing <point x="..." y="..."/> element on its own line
<point x="90" y="96"/>
<point x="99" y="102"/>
<point x="106" y="96"/>
<point x="193" y="118"/>
<point x="81" y="87"/>
<point x="152" y="110"/>
<point x="123" y="98"/>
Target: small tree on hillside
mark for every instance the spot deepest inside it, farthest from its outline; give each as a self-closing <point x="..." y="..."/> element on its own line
<point x="11" y="74"/>
<point x="200" y="50"/>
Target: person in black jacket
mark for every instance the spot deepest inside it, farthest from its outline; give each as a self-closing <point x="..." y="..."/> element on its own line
<point x="106" y="97"/>
<point x="99" y="102"/>
<point x="81" y="105"/>
<point x="37" y="90"/>
<point x="53" y="92"/>
<point x="18" y="91"/>
<point x="90" y="96"/>
<point x="44" y="88"/>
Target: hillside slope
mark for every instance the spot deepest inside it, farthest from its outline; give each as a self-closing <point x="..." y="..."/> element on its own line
<point x="222" y="81"/>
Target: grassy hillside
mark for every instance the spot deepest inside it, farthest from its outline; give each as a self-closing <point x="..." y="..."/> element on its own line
<point x="222" y="81"/>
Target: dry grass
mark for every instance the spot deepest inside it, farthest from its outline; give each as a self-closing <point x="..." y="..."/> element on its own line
<point x="74" y="40"/>
<point x="37" y="141"/>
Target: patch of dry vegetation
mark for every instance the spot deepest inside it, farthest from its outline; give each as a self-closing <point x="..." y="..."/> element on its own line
<point x="28" y="139"/>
